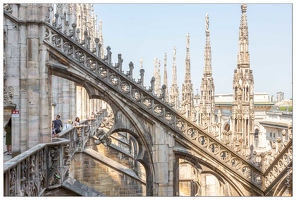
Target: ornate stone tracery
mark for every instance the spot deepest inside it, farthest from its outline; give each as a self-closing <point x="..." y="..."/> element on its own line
<point x="8" y="94"/>
<point x="123" y="83"/>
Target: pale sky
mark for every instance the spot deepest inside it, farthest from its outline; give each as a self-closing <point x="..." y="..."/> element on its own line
<point x="150" y="30"/>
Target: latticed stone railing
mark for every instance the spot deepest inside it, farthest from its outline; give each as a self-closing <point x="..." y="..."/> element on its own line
<point x="83" y="132"/>
<point x="46" y="166"/>
<point x="42" y="167"/>
<point x="280" y="163"/>
<point x="78" y="52"/>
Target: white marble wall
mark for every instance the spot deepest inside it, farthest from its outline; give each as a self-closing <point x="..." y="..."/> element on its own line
<point x="27" y="74"/>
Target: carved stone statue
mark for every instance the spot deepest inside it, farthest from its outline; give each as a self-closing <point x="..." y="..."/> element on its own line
<point x="175" y="50"/>
<point x="207" y="21"/>
<point x="141" y="62"/>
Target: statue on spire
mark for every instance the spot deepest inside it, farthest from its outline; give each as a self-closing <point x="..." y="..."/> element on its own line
<point x="141" y="62"/>
<point x="175" y="51"/>
<point x="187" y="39"/>
<point x="244" y="8"/>
<point x="174" y="58"/>
<point x="207" y="22"/>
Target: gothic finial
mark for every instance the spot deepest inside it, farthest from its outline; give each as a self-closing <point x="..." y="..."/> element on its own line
<point x="142" y="76"/>
<point x="243" y="57"/>
<point x="207" y="55"/>
<point x="131" y="67"/>
<point x="174" y="91"/>
<point x="152" y="84"/>
<point x="165" y="79"/>
<point x="174" y="68"/>
<point x="109" y="54"/>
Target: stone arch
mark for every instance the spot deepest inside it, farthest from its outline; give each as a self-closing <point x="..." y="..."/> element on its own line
<point x="261" y="139"/>
<point x="284" y="186"/>
<point x="188" y="178"/>
<point x="206" y="168"/>
<point x="226" y="126"/>
<point x="99" y="91"/>
<point x="258" y="126"/>
<point x="137" y="131"/>
<point x="143" y="156"/>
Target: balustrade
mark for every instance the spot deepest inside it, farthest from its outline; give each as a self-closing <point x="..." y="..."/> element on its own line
<point x="46" y="166"/>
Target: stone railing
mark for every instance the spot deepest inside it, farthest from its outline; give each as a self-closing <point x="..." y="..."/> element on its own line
<point x="42" y="167"/>
<point x="278" y="163"/>
<point x="83" y="132"/>
<point x="46" y="166"/>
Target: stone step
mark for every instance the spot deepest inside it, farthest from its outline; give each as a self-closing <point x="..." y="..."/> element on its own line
<point x="80" y="188"/>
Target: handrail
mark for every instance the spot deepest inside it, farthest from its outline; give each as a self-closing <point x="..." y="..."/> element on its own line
<point x="46" y="165"/>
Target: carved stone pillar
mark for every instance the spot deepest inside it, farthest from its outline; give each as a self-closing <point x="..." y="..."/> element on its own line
<point x="72" y="101"/>
<point x="27" y="73"/>
<point x="78" y="101"/>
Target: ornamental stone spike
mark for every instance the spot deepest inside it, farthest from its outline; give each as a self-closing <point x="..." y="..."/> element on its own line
<point x="109" y="54"/>
<point x="165" y="79"/>
<point x="142" y="71"/>
<point x="131" y="67"/>
<point x="174" y="90"/>
<point x="187" y="42"/>
<point x="74" y="31"/>
<point x="187" y="90"/>
<point x="97" y="40"/>
<point x="163" y="94"/>
<point x="243" y="87"/>
<point x="120" y="60"/>
<point x="62" y="23"/>
<point x="88" y="38"/>
<point x="78" y="35"/>
<point x="207" y="21"/>
<point x="156" y="76"/>
<point x="207" y="52"/>
<point x="152" y="84"/>
<point x="174" y="74"/>
<point x="243" y="55"/>
<point x="101" y="38"/>
<point x="56" y="19"/>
